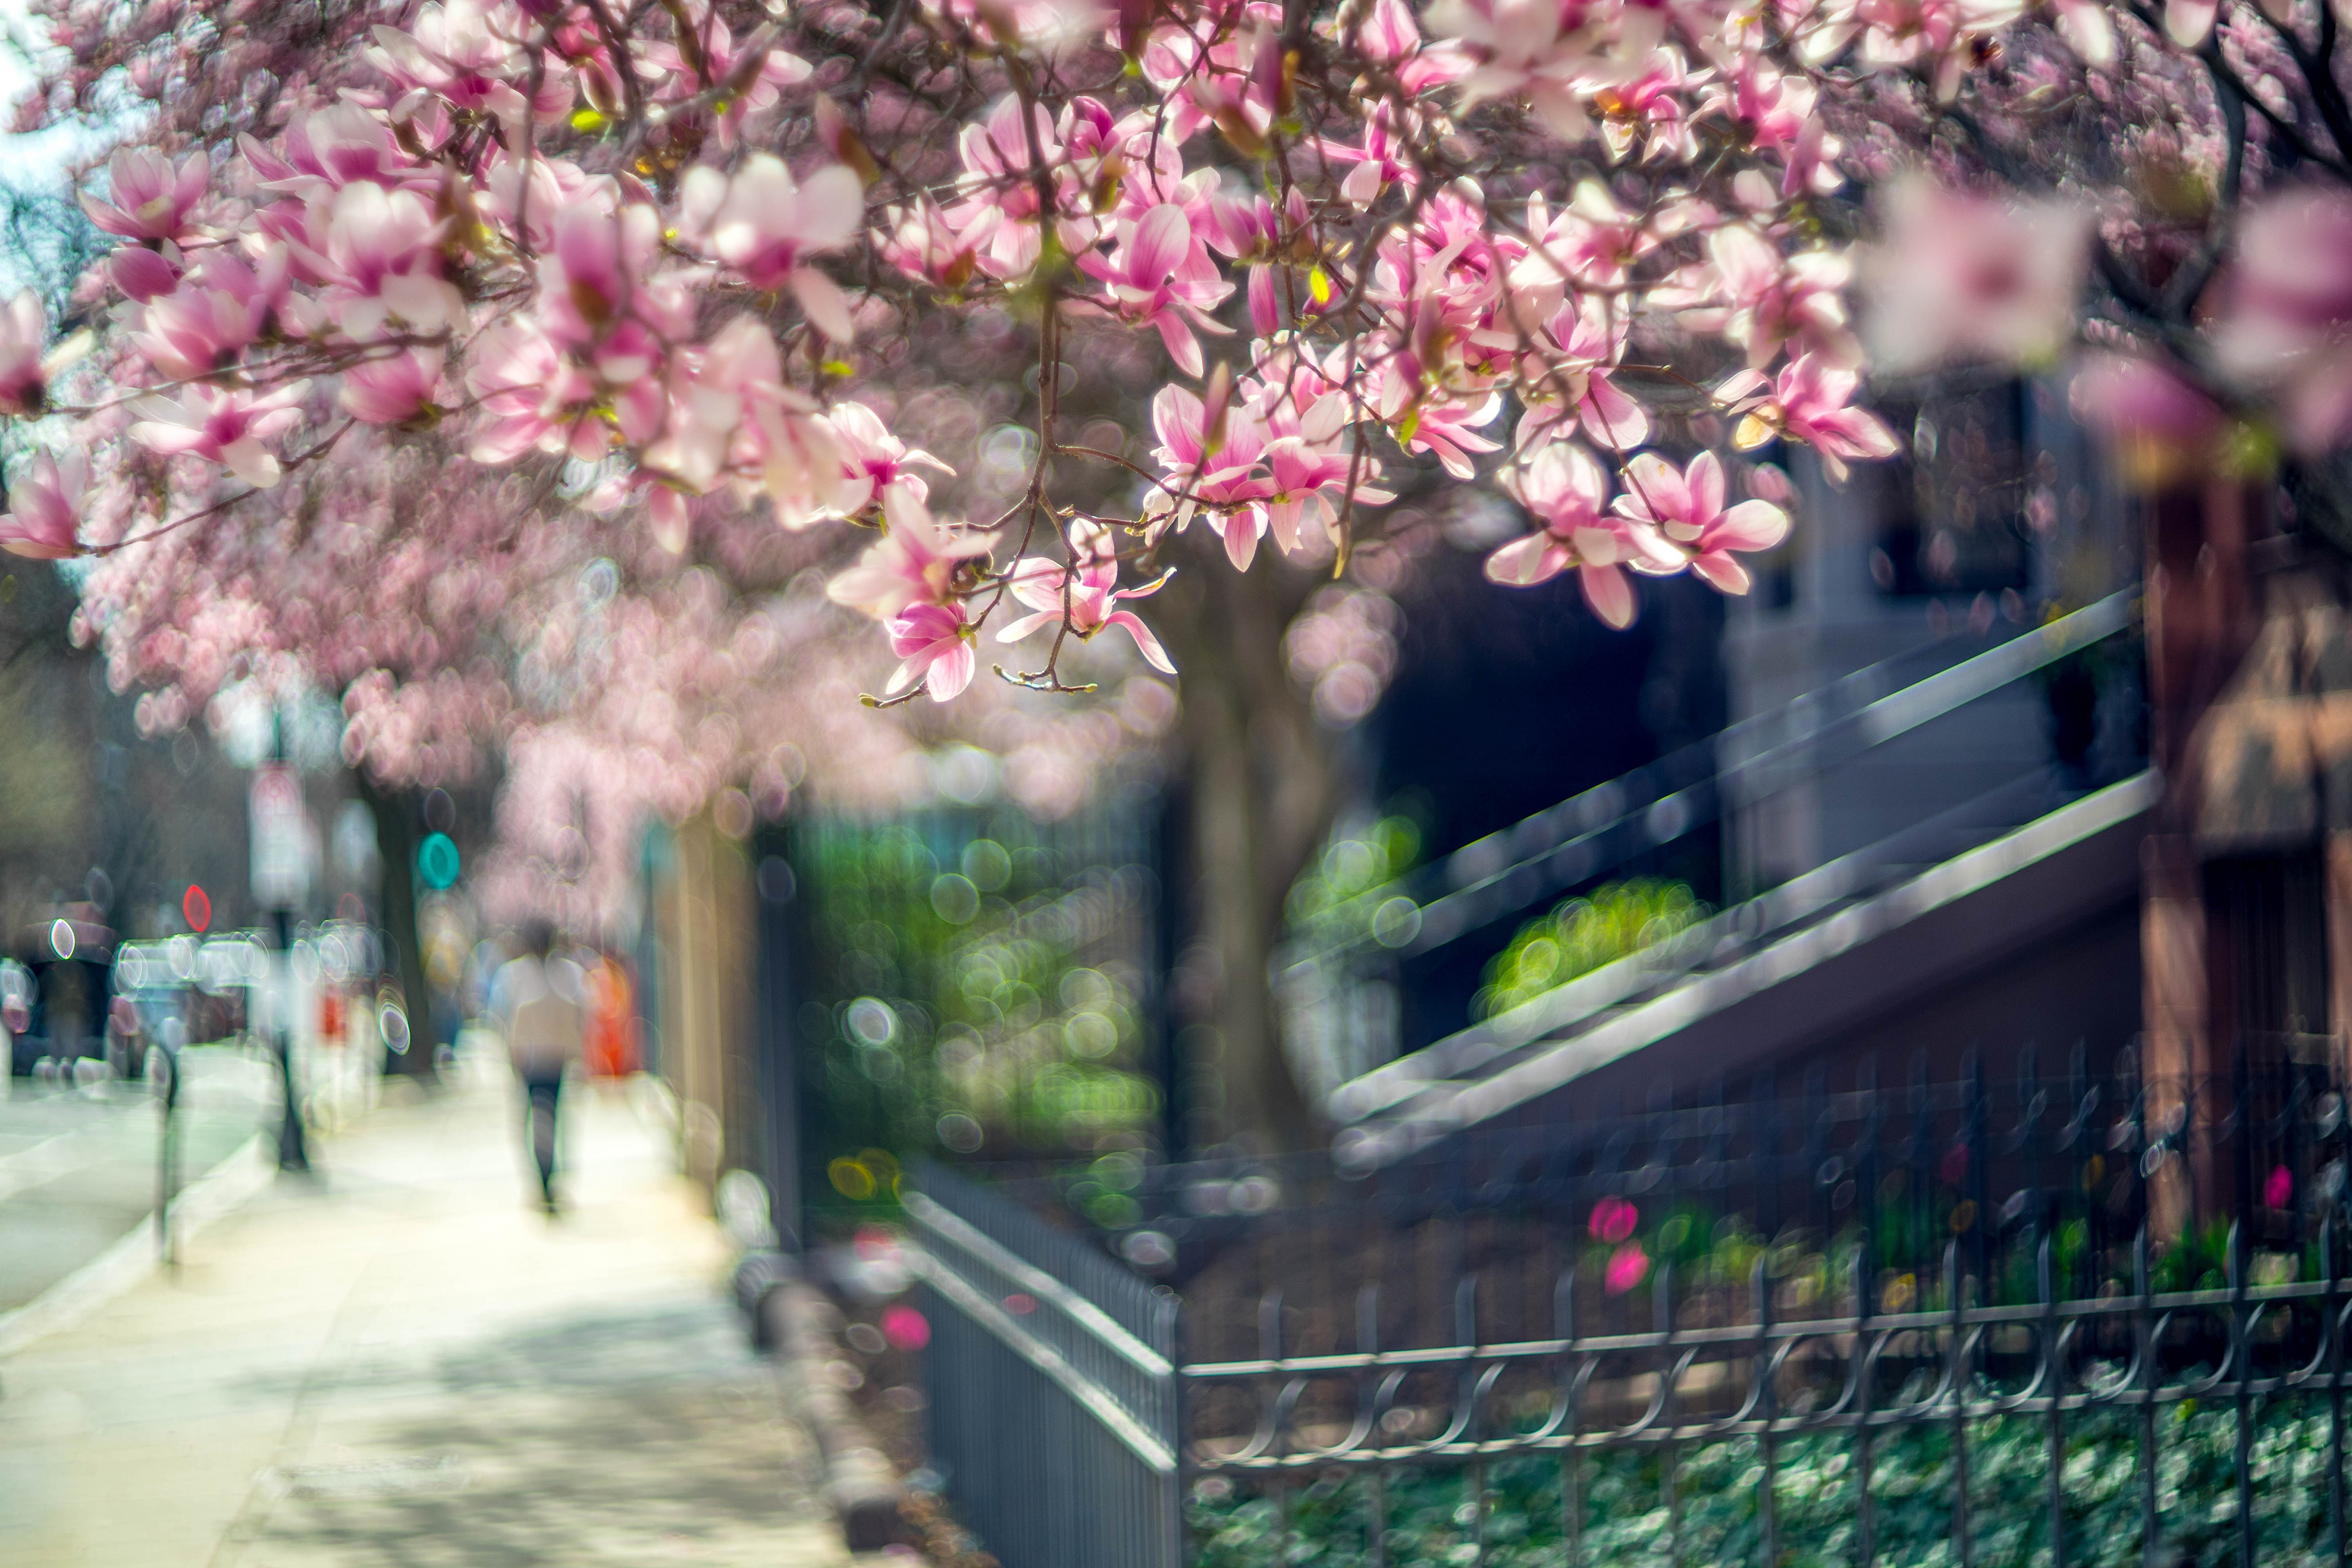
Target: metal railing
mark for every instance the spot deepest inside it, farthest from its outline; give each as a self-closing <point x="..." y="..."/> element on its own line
<point x="1515" y="872"/>
<point x="1053" y="1389"/>
<point x="2067" y="1317"/>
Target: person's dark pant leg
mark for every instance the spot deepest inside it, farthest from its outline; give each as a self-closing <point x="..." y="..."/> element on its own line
<point x="543" y="1093"/>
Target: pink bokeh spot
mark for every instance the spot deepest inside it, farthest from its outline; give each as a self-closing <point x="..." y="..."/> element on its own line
<point x="1613" y="1219"/>
<point x="905" y="1327"/>
<point x="1628" y="1267"/>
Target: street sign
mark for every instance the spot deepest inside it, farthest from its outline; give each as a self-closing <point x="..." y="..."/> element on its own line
<point x="280" y="837"/>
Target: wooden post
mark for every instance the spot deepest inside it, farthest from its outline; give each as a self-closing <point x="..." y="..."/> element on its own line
<point x="2199" y="624"/>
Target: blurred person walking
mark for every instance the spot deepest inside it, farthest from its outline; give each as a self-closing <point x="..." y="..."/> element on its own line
<point x="540" y="1002"/>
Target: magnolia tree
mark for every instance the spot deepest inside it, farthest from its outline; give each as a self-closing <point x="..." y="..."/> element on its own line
<point x="463" y="285"/>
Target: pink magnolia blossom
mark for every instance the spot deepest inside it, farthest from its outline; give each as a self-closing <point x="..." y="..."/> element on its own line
<point x="1688" y="509"/>
<point x="1253" y="233"/>
<point x="1593" y="240"/>
<point x="1390" y="34"/>
<point x="395" y="390"/>
<point x="1648" y="108"/>
<point x="1810" y="402"/>
<point x="341" y="144"/>
<point x="602" y="289"/>
<point x="875" y="460"/>
<point x="1566" y="381"/>
<point x="1538" y="49"/>
<point x="934" y="645"/>
<point x="457" y="51"/>
<point x="1773" y="302"/>
<point x="532" y="398"/>
<point x="1963" y="275"/>
<point x="724" y="60"/>
<point x="1161" y="277"/>
<point x="1932" y="32"/>
<point x="150" y="199"/>
<point x="999" y="218"/>
<point x="1313" y="483"/>
<point x="143" y="274"/>
<point x="1565" y="491"/>
<point x="1213" y="459"/>
<point x="1093" y="597"/>
<point x="220" y="309"/>
<point x="379" y="254"/>
<point x="761" y="223"/>
<point x="922" y="243"/>
<point x="2287" y="313"/>
<point x="729" y="411"/>
<point x="45" y="507"/>
<point x="918" y="560"/>
<point x="229" y="426"/>
<point x="1379" y="159"/>
<point x="24" y="339"/>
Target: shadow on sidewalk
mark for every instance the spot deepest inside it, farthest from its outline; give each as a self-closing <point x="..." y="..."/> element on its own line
<point x="610" y="1438"/>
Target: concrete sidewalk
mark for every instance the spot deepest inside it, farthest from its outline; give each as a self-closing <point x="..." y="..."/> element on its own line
<point x="400" y="1362"/>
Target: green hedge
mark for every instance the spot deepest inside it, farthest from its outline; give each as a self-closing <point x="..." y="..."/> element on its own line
<point x="1432" y="1518"/>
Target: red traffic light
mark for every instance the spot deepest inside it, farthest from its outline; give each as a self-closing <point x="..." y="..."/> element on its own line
<point x="198" y="906"/>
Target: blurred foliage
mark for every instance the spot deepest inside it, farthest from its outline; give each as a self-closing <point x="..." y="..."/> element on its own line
<point x="1327" y="906"/>
<point x="1582" y="934"/>
<point x="1433" y="1518"/>
<point x="977" y="986"/>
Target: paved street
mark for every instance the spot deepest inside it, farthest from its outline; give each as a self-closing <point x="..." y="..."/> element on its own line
<point x="78" y="1165"/>
<point x="399" y="1362"/>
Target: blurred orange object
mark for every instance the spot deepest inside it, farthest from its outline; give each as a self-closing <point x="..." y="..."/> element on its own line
<point x="611" y="1047"/>
<point x="331" y="1016"/>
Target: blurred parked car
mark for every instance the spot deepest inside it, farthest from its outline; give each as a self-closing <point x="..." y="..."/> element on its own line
<point x="71" y="961"/>
<point x="154" y="985"/>
<point x="16" y="1013"/>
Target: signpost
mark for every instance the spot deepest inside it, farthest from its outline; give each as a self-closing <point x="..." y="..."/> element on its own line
<point x="280" y="843"/>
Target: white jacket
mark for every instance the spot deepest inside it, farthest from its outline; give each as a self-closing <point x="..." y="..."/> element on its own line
<point x="543" y="1004"/>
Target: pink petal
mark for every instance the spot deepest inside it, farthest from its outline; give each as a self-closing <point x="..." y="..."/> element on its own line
<point x="1705" y="481"/>
<point x="1524" y="562"/>
<point x="1182" y="346"/>
<point x="1721" y="570"/>
<point x="1609" y="593"/>
<point x="1750" y="525"/>
<point x="169" y="439"/>
<point x="1159" y="246"/>
<point x="1013" y="631"/>
<point x="952" y="672"/>
<point x="1240" y="533"/>
<point x="1655" y="490"/>
<point x="827" y="305"/>
<point x="832" y="206"/>
<point x="1614" y="416"/>
<point x="1153" y="654"/>
<point x="142" y="273"/>
<point x="1265" y="312"/>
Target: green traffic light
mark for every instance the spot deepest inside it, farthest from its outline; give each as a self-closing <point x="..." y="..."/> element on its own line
<point x="437" y="861"/>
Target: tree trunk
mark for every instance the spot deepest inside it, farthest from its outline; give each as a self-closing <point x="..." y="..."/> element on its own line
<point x="398" y="813"/>
<point x="1264" y="785"/>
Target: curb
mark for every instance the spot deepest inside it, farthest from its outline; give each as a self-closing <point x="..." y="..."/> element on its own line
<point x="860" y="1483"/>
<point x="130" y="1260"/>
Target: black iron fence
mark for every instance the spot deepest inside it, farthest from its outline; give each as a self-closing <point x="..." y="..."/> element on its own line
<point x="2052" y="1316"/>
<point x="1052" y="1386"/>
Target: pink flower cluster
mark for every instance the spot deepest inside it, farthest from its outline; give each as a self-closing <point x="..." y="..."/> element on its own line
<point x="477" y="289"/>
